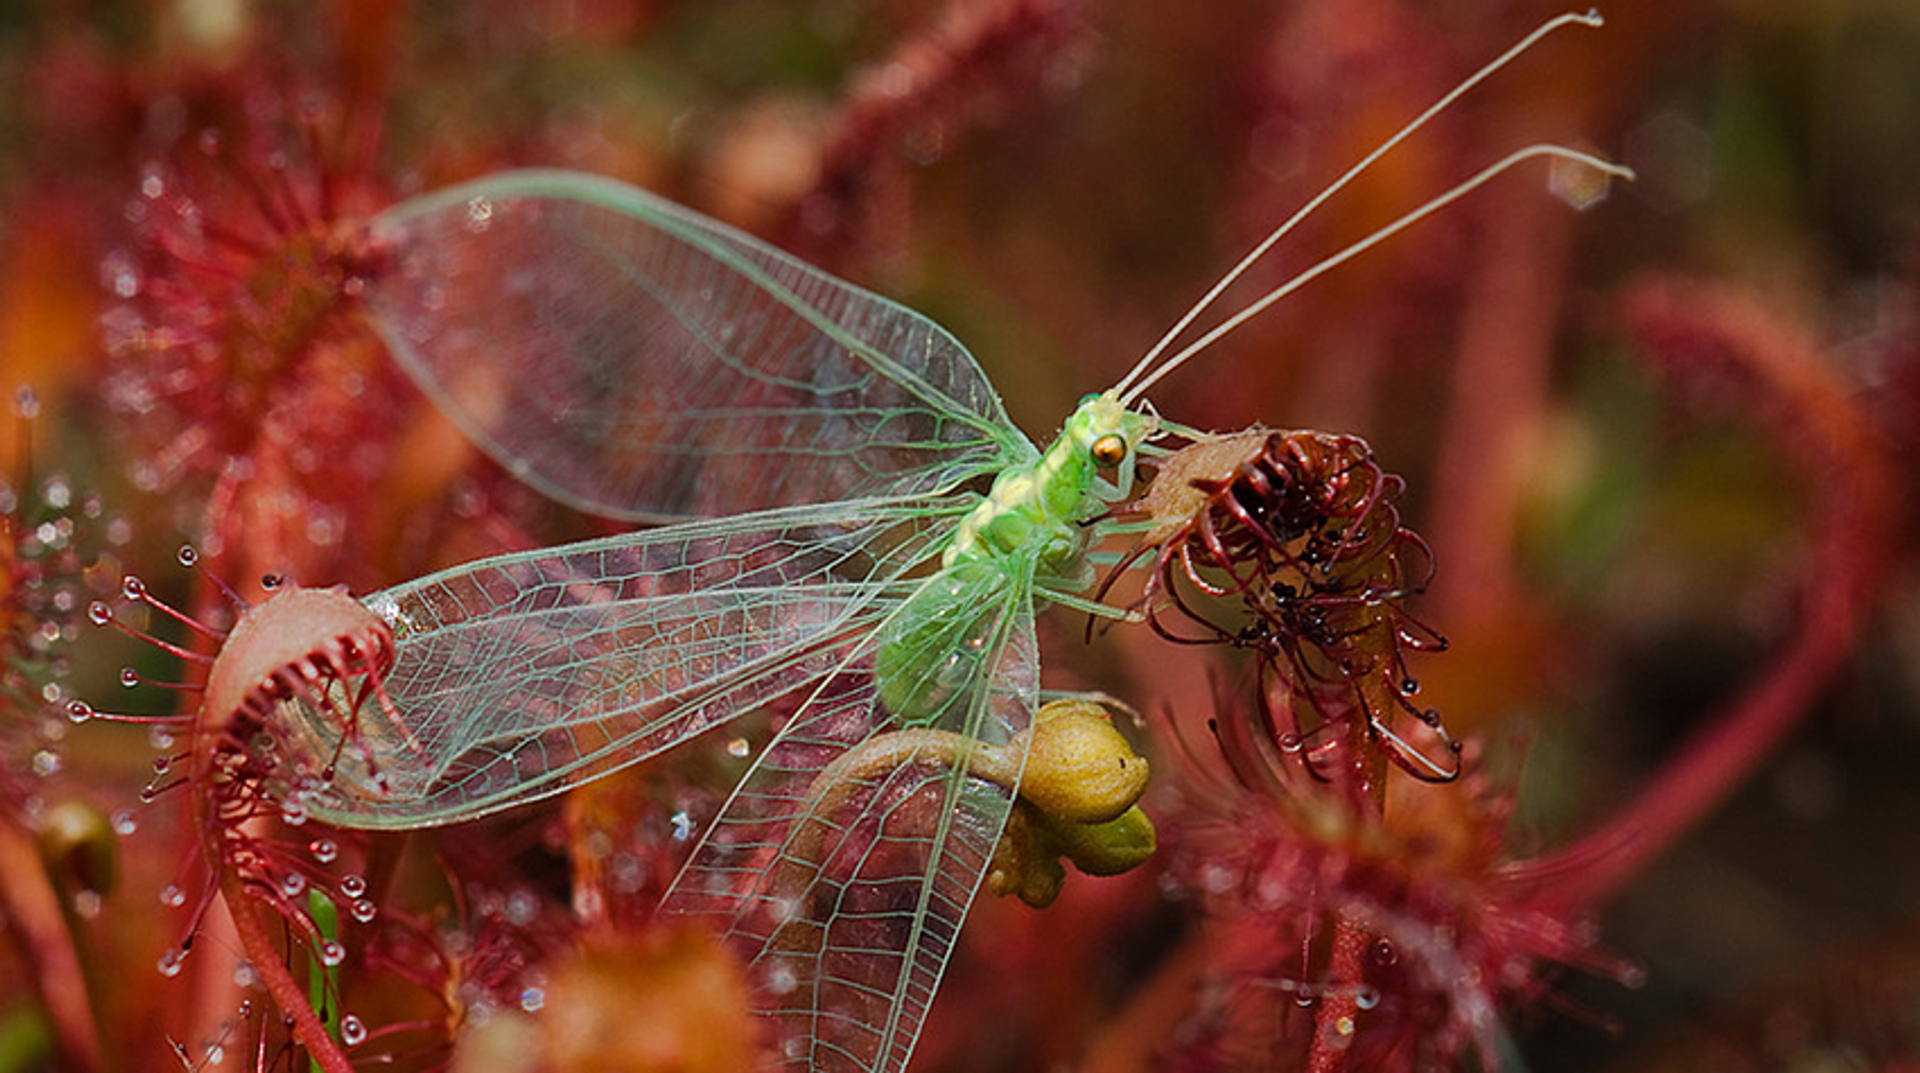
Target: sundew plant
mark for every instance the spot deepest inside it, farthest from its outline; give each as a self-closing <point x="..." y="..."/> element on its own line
<point x="505" y="567"/>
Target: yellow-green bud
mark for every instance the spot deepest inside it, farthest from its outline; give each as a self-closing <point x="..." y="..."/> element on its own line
<point x="1080" y="769"/>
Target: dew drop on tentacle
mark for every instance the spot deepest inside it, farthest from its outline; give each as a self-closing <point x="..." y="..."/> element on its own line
<point x="1383" y="953"/>
<point x="353" y="1031"/>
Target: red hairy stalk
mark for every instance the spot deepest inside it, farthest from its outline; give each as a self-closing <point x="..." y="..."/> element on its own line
<point x="976" y="58"/>
<point x="305" y="644"/>
<point x="301" y="656"/>
<point x="1775" y="367"/>
<point x="234" y="338"/>
<point x="41" y="532"/>
<point x="1350" y="938"/>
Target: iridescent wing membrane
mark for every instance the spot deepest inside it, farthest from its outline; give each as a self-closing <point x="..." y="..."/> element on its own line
<point x="846" y="861"/>
<point x="521" y="675"/>
<point x="635" y="359"/>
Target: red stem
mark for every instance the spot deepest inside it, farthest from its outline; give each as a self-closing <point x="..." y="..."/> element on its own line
<point x="1336" y="1021"/>
<point x="269" y="961"/>
<point x="1847" y="468"/>
<point x="32" y="906"/>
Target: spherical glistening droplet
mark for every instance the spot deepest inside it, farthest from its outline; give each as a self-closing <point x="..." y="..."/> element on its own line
<point x="522" y="907"/>
<point x="353" y="1031"/>
<point x="86" y="904"/>
<point x="99" y="613"/>
<point x="172" y="896"/>
<point x="332" y="953"/>
<point x="324" y="850"/>
<point x="739" y="748"/>
<point x="363" y="910"/>
<point x="170" y="963"/>
<point x="129" y="677"/>
<point x="124" y="822"/>
<point x="79" y="711"/>
<point x="133" y="588"/>
<point x="353" y="886"/>
<point x="187" y="555"/>
<point x="781" y="979"/>
<point x="293" y="884"/>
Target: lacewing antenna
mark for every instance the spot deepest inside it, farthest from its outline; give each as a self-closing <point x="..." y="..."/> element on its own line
<point x="1260" y="305"/>
<point x="1138" y="379"/>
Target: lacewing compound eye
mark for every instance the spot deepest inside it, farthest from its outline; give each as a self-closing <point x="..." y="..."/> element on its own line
<point x="1109" y="450"/>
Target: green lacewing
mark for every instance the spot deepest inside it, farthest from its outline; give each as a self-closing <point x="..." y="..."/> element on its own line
<point x="812" y="454"/>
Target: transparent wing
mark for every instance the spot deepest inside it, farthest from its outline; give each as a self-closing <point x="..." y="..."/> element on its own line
<point x="843" y="866"/>
<point x="633" y="358"/>
<point x="522" y="675"/>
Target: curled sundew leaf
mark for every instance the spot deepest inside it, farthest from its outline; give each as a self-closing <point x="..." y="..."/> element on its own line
<point x="1076" y="782"/>
<point x="320" y="647"/>
<point x="1289" y="544"/>
<point x="292" y="699"/>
